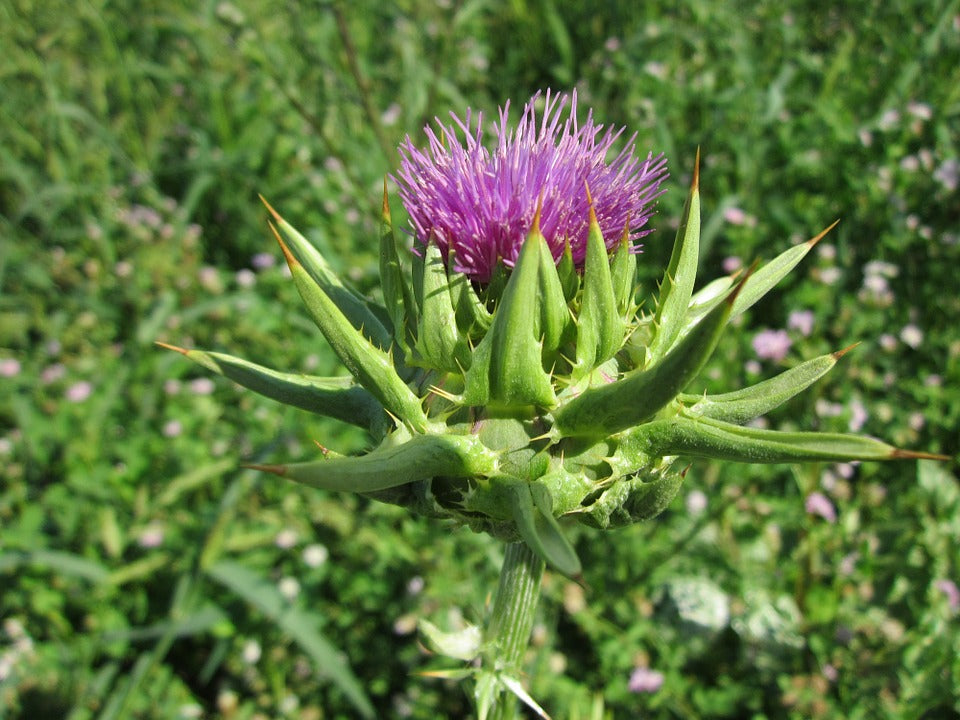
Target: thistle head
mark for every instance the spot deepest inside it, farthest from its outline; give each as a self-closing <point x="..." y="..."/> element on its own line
<point x="477" y="200"/>
<point x="509" y="378"/>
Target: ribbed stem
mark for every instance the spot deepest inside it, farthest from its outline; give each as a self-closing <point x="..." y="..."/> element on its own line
<point x="511" y="622"/>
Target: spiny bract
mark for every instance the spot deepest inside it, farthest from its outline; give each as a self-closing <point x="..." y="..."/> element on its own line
<point x="512" y="398"/>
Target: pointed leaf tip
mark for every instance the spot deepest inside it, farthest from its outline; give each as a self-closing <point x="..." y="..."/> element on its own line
<point x="535" y="227"/>
<point x="695" y="183"/>
<point x="823" y="233"/>
<point x="168" y="346"/>
<point x="287" y="254"/>
<point x="270" y="209"/>
<point x="899" y="454"/>
<point x="385" y="208"/>
<point x="840" y="353"/>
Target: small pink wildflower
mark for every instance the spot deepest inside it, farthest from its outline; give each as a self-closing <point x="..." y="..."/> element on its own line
<point x="801" y="321"/>
<point x="819" y="504"/>
<point x="949" y="588"/>
<point x="9" y="367"/>
<point x="772" y="344"/>
<point x="732" y="264"/>
<point x="202" y="386"/>
<point x="858" y="416"/>
<point x="645" y="680"/>
<point x="78" y="392"/>
<point x="152" y="536"/>
<point x="912" y="335"/>
<point x="262" y="261"/>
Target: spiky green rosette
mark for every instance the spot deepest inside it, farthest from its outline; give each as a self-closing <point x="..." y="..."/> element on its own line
<point x="542" y="395"/>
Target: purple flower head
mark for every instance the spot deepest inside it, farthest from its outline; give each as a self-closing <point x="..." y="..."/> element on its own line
<point x="480" y="203"/>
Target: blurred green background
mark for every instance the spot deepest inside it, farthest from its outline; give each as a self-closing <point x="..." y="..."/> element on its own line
<point x="143" y="575"/>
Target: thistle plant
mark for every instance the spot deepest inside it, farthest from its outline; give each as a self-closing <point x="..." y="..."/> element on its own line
<point x="511" y="379"/>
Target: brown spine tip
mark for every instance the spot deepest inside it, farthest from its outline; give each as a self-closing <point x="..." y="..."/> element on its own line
<point x="168" y="346"/>
<point x="817" y="238"/>
<point x="586" y="186"/>
<point x="625" y="238"/>
<point x="276" y="215"/>
<point x="291" y="260"/>
<point x="695" y="183"/>
<point x="840" y="353"/>
<point x="280" y="470"/>
<point x="899" y="454"/>
<point x="535" y="228"/>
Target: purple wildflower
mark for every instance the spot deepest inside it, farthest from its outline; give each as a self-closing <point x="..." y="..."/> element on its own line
<point x="480" y="203"/>
<point x="819" y="504"/>
<point x="949" y="588"/>
<point x="645" y="680"/>
<point x="772" y="345"/>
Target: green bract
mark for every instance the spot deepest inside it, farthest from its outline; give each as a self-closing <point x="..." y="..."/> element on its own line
<point x="542" y="396"/>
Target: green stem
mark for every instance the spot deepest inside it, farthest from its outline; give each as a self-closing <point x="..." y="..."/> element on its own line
<point x="511" y="622"/>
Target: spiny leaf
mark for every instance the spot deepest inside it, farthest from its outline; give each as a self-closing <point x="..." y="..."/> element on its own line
<point x="623" y="273"/>
<point x="744" y="405"/>
<point x="600" y="327"/>
<point x="723" y="441"/>
<point x="397" y="291"/>
<point x="678" y="281"/>
<point x="371" y="366"/>
<point x="507" y="369"/>
<point x="608" y="409"/>
<point x="338" y="397"/>
<point x="439" y="342"/>
<point x="533" y="514"/>
<point x="351" y="305"/>
<point x="420" y="458"/>
<point x="767" y="276"/>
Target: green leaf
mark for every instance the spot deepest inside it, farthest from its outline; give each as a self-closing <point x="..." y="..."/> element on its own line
<point x="397" y="291"/>
<point x="555" y="317"/>
<point x="724" y="441"/>
<point x="372" y="367"/>
<point x="350" y="304"/>
<point x="462" y="645"/>
<point x="623" y="273"/>
<point x="507" y="370"/>
<point x="61" y="562"/>
<point x="298" y="624"/>
<point x="678" y="281"/>
<point x="741" y="406"/>
<point x="473" y="318"/>
<point x="533" y="514"/>
<point x="766" y="277"/>
<point x="600" y="327"/>
<point x="336" y="397"/>
<point x="567" y="271"/>
<point x="438" y="340"/>
<point x="419" y="458"/>
<point x="607" y="409"/>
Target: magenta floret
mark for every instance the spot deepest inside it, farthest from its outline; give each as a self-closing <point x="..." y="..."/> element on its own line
<point x="480" y="202"/>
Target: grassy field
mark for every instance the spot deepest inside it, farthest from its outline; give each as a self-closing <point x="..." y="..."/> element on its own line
<point x="143" y="574"/>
